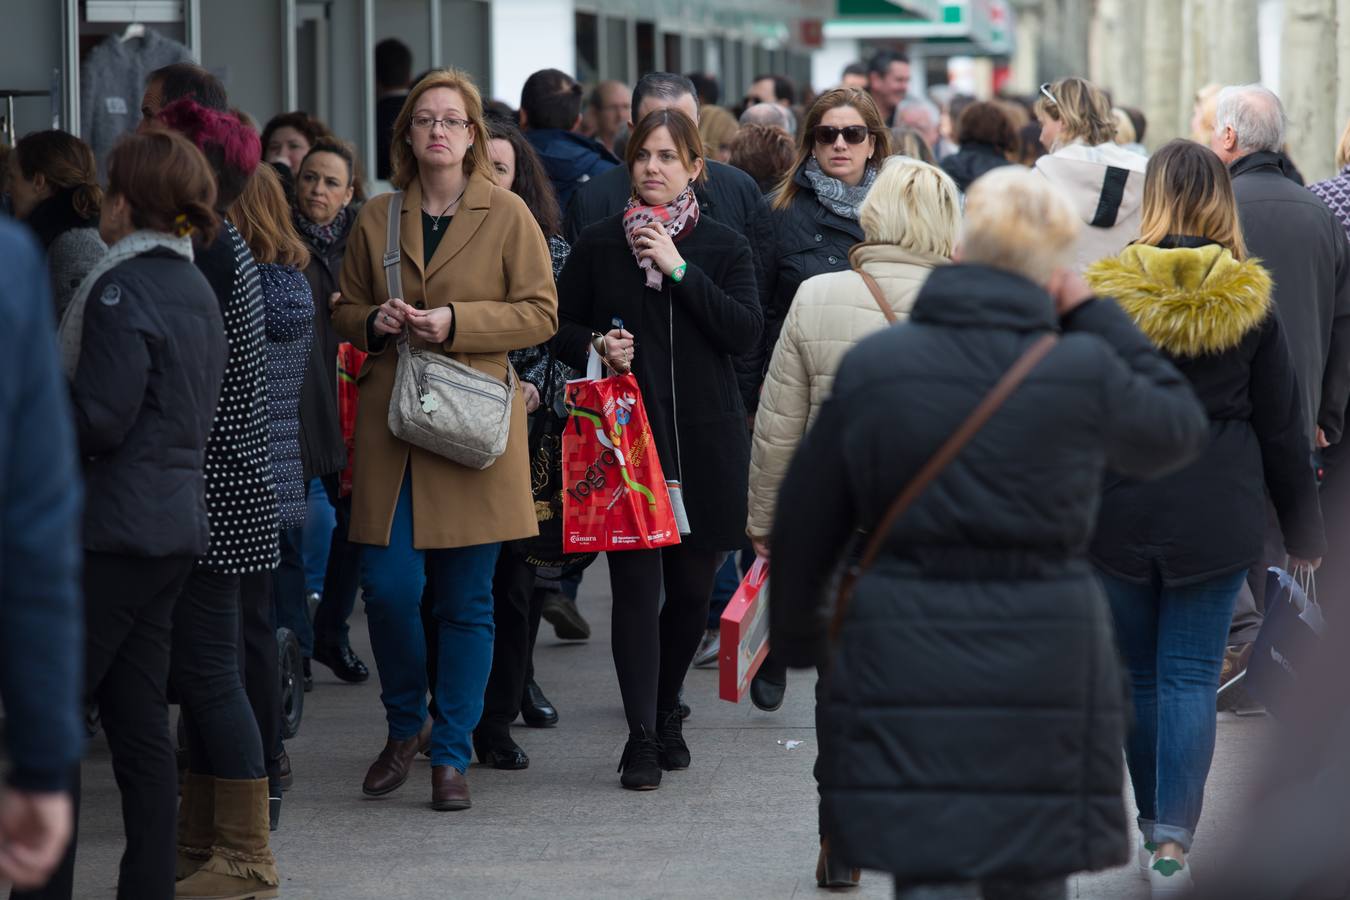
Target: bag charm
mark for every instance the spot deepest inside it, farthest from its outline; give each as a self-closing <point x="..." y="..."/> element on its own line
<point x="430" y="404"/>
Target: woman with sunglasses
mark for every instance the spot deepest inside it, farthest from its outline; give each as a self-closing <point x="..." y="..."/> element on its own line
<point x="1103" y="180"/>
<point x="815" y="219"/>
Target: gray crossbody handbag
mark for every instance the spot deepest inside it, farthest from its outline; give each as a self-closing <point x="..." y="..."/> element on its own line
<point x="440" y="404"/>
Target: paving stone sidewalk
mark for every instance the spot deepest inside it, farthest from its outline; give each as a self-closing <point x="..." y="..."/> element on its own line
<point x="740" y="823"/>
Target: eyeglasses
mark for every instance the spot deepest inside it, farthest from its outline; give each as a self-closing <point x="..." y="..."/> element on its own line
<point x="424" y="123"/>
<point x="853" y="134"/>
<point x="1045" y="91"/>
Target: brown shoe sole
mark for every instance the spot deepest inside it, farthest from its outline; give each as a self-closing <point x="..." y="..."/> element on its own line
<point x="386" y="791"/>
<point x="450" y="805"/>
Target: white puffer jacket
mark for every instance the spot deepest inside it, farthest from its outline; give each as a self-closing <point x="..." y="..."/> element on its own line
<point x="831" y="313"/>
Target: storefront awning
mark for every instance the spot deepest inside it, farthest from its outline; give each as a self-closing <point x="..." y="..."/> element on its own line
<point x="972" y="27"/>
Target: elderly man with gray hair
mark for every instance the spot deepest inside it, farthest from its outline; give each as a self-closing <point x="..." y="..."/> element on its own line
<point x="772" y="114"/>
<point x="1305" y="249"/>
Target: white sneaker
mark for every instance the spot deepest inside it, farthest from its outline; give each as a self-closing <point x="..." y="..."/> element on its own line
<point x="708" y="649"/>
<point x="1146" y="850"/>
<point x="1169" y="878"/>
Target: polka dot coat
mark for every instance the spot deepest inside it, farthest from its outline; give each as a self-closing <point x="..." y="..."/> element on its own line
<point x="290" y="331"/>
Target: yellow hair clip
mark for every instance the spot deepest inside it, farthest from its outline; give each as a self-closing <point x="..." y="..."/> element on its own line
<point x="184" y="229"/>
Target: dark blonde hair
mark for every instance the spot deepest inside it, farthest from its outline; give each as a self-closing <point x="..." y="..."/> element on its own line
<point x="859" y="100"/>
<point x="1083" y="108"/>
<point x="1188" y="191"/>
<point x="67" y="163"/>
<point x="167" y="182"/>
<point x="263" y="218"/>
<point x="683" y="131"/>
<point x="476" y="159"/>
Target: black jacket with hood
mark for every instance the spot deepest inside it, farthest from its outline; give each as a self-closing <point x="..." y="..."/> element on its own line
<point x="1213" y="318"/>
<point x="570" y="159"/>
<point x="973" y="711"/>
<point x="1301" y="243"/>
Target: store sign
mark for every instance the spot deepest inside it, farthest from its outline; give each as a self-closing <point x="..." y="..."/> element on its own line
<point x="812" y="33"/>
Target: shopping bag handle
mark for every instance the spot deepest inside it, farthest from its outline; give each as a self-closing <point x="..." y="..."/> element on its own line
<point x="758" y="572"/>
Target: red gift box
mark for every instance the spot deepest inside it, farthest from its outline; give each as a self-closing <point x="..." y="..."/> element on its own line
<point x="744" y="634"/>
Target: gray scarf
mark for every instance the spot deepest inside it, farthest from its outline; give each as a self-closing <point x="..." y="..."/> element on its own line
<point x="836" y="196"/>
<point x="71" y="332"/>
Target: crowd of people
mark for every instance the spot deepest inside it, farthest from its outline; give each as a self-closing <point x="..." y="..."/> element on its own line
<point x="1117" y="397"/>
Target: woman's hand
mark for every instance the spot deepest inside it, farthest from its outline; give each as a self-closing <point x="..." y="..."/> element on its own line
<point x="656" y="244"/>
<point x="389" y="318"/>
<point x="1297" y="563"/>
<point x="761" y="546"/>
<point x="619" y="350"/>
<point x="431" y="325"/>
<point x="333" y="300"/>
<point x="531" y="396"/>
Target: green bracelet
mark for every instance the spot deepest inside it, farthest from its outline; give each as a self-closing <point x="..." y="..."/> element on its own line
<point x="677" y="274"/>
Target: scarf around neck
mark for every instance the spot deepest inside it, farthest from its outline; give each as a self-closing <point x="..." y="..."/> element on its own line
<point x="323" y="237"/>
<point x="836" y="196"/>
<point x="71" y="331"/>
<point x="679" y="217"/>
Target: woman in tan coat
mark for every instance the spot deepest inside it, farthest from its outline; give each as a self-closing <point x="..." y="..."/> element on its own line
<point x="477" y="282"/>
<point x="911" y="219"/>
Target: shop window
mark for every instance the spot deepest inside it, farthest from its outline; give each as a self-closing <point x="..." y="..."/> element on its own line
<point x="588" y="47"/>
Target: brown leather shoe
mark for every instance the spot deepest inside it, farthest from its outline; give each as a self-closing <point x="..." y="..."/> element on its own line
<point x="449" y="789"/>
<point x="390" y="769"/>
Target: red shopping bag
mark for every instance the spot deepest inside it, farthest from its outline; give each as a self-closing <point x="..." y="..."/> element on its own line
<point x="614" y="492"/>
<point x="744" y="633"/>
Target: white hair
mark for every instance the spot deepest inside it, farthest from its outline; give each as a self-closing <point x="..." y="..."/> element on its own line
<point x="928" y="106"/>
<point x="772" y="114"/>
<point x="1256" y="116"/>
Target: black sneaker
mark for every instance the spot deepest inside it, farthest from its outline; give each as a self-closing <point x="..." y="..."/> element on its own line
<point x="670" y="732"/>
<point x="561" y="612"/>
<point x="641" y="762"/>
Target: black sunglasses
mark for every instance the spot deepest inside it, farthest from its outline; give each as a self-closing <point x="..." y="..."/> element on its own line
<point x="853" y="134"/>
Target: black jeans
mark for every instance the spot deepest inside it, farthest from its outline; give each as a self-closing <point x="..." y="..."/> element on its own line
<point x="287" y="591"/>
<point x="653" y="644"/>
<point x="516" y="609"/>
<point x="341" y="578"/>
<point x="260" y="666"/>
<point x="128" y="608"/>
<point x="222" y="735"/>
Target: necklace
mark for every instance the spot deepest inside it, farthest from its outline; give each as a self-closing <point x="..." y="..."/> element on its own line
<point x="436" y="220"/>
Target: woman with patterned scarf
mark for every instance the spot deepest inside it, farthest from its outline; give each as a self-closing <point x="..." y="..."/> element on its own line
<point x="815" y="218"/>
<point x="671" y="296"/>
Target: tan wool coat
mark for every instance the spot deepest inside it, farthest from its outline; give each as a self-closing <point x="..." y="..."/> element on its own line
<point x="493" y="267"/>
<point x="831" y="313"/>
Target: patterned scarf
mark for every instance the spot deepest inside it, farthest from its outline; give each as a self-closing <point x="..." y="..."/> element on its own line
<point x="679" y="217"/>
<point x="323" y="237"/>
<point x="71" y="332"/>
<point x="836" y="196"/>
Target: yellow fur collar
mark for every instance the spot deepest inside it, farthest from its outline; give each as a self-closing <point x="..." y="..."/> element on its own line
<point x="1188" y="301"/>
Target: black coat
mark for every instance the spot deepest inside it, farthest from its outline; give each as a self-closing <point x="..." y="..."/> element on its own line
<point x="808" y="239"/>
<point x="152" y="356"/>
<point x="1212" y="317"/>
<point x="729" y="196"/>
<point x="972" y="715"/>
<point x="1304" y="247"/>
<point x="321" y="446"/>
<point x="972" y="161"/>
<point x="714" y="312"/>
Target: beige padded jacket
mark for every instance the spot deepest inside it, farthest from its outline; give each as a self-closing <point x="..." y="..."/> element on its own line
<point x="830" y="314"/>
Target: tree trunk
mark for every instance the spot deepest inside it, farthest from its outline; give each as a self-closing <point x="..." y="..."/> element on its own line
<point x="1309" y="94"/>
<point x="1162" y="70"/>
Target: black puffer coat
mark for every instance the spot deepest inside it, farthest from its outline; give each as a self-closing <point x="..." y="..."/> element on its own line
<point x="972" y="161"/>
<point x="713" y="313"/>
<point x="972" y="716"/>
<point x="321" y="445"/>
<point x="152" y="358"/>
<point x="808" y="239"/>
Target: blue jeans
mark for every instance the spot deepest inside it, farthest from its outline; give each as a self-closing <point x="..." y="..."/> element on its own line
<point x="320" y="519"/>
<point x="1173" y="641"/>
<point x="462" y="579"/>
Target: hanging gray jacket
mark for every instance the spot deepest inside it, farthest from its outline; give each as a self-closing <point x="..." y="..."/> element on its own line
<point x="111" y="82"/>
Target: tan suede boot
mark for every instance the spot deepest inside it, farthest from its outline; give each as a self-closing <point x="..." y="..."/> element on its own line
<point x="196" y="823"/>
<point x="241" y="866"/>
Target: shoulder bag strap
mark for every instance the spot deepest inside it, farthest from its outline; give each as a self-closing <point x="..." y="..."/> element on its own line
<point x="393" y="279"/>
<point x="936" y="465"/>
<point x="877" y="295"/>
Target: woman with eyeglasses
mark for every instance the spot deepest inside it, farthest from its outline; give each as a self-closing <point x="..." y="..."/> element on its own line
<point x="477" y="283"/>
<point x="815" y="220"/>
<point x="1103" y="180"/>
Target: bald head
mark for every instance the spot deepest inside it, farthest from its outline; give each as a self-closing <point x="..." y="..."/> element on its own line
<point x="771" y="114"/>
<point x="1249" y="119"/>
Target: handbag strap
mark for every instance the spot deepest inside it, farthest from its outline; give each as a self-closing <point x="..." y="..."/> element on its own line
<point x="877" y="295"/>
<point x="939" y="461"/>
<point x="393" y="279"/>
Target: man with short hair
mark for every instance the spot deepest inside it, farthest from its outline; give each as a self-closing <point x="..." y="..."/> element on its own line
<point x="550" y="112"/>
<point x="777" y="89"/>
<point x="611" y="103"/>
<point x="888" y="82"/>
<point x="706" y="88"/>
<point x="924" y="117"/>
<point x="771" y="114"/>
<point x="393" y="79"/>
<point x="164" y="86"/>
<point x="854" y="77"/>
<point x="1305" y="250"/>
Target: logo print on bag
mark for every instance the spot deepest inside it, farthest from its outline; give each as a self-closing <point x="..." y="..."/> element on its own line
<point x="612" y="455"/>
